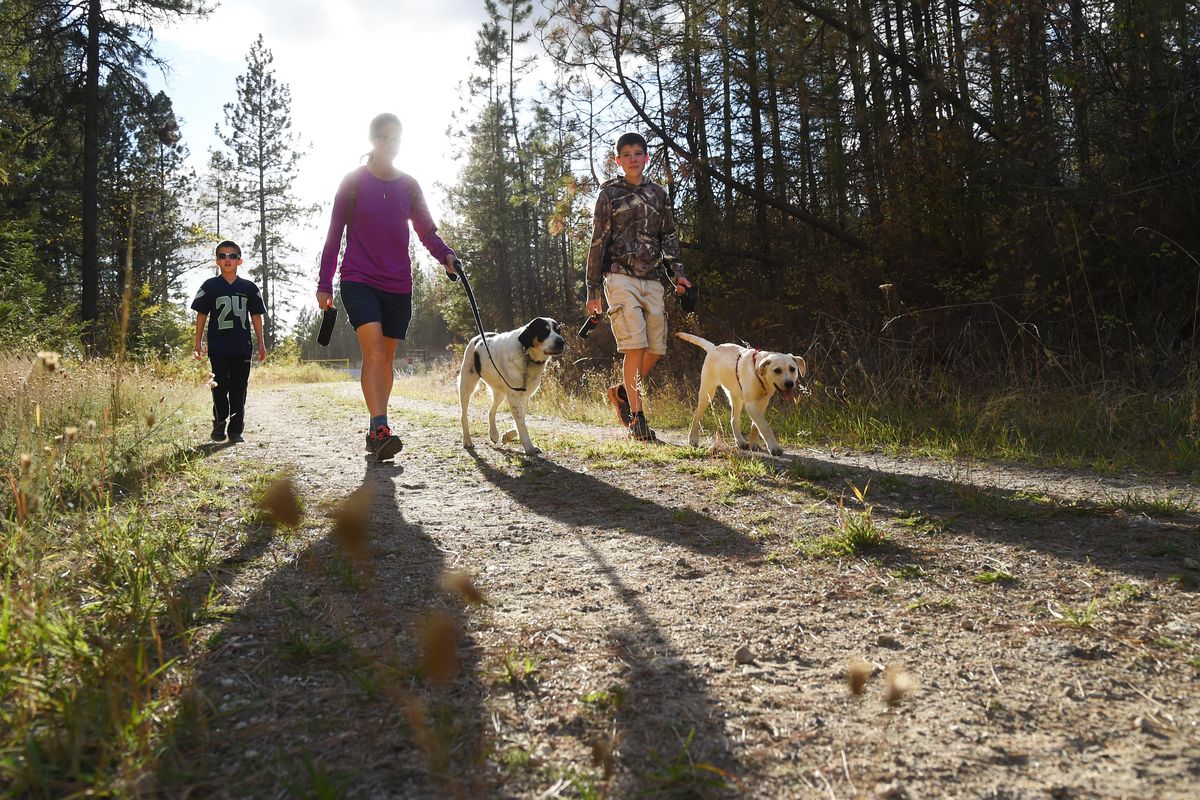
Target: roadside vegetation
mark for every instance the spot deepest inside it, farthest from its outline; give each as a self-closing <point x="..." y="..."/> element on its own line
<point x="1108" y="431"/>
<point x="103" y="553"/>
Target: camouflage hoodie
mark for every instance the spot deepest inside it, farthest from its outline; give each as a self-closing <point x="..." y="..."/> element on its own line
<point x="633" y="232"/>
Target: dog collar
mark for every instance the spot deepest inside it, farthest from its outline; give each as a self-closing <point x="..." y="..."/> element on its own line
<point x="753" y="366"/>
<point x="532" y="361"/>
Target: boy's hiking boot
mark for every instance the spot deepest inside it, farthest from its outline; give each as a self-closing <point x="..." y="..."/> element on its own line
<point x="383" y="444"/>
<point x="617" y="396"/>
<point x="639" y="430"/>
<point x="218" y="431"/>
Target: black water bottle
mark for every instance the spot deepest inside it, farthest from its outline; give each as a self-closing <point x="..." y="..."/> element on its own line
<point x="589" y="325"/>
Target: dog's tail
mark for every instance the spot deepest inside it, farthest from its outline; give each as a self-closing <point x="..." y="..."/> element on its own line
<point x="699" y="342"/>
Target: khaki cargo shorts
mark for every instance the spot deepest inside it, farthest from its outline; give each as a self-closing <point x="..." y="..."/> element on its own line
<point x="637" y="312"/>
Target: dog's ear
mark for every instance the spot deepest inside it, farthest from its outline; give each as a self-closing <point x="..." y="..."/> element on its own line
<point x="801" y="365"/>
<point x="536" y="329"/>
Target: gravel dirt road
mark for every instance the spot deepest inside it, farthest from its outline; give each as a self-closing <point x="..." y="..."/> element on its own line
<point x="668" y="622"/>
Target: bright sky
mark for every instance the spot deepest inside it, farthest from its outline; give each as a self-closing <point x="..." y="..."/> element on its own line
<point x="345" y="62"/>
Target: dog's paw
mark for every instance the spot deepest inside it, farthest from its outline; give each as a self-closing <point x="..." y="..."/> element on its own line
<point x="744" y="445"/>
<point x="509" y="436"/>
<point x="777" y="451"/>
<point x="533" y="451"/>
<point x="468" y="444"/>
<point x="694" y="441"/>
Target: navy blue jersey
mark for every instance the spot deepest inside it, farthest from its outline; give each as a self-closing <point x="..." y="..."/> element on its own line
<point x="229" y="307"/>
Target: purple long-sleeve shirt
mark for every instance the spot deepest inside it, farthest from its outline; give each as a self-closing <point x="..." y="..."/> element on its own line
<point x="377" y="243"/>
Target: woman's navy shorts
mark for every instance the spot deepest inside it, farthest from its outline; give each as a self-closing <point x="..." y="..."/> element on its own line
<point x="364" y="303"/>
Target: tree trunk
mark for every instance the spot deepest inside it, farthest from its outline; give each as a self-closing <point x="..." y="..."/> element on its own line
<point x="90" y="263"/>
<point x="727" y="107"/>
<point x="866" y="141"/>
<point x="264" y="251"/>
<point x="901" y="46"/>
<point x="1079" y="99"/>
<point x="754" y="97"/>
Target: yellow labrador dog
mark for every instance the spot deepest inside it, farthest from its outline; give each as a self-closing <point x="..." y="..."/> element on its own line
<point x="750" y="378"/>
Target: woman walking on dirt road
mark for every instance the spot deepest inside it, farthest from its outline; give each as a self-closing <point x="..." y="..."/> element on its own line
<point x="374" y="205"/>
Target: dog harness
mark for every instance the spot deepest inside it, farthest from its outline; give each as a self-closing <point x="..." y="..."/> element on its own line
<point x="737" y="373"/>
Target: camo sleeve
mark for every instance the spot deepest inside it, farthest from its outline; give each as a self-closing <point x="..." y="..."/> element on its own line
<point x="669" y="238"/>
<point x="601" y="231"/>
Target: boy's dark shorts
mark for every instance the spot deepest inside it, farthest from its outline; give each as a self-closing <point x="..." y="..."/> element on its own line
<point x="364" y="303"/>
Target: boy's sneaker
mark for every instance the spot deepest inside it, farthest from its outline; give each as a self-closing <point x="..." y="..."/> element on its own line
<point x="639" y="430"/>
<point x="383" y="444"/>
<point x="617" y="396"/>
<point x="218" y="432"/>
<point x="234" y="438"/>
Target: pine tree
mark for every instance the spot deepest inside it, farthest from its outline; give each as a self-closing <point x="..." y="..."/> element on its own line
<point x="267" y="156"/>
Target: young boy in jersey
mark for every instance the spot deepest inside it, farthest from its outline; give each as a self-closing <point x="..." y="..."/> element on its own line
<point x="633" y="233"/>
<point x="229" y="305"/>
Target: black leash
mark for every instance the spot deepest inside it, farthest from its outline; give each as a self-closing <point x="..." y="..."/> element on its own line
<point x="461" y="272"/>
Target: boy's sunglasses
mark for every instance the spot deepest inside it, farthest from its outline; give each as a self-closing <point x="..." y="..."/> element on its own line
<point x="228" y="256"/>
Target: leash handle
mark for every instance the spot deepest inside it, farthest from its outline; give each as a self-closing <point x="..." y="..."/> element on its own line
<point x="458" y="269"/>
<point x="589" y="325"/>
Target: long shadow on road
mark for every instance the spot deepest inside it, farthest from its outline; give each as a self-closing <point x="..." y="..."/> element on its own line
<point x="316" y="686"/>
<point x="669" y="733"/>
<point x="581" y="499"/>
<point x="1081" y="531"/>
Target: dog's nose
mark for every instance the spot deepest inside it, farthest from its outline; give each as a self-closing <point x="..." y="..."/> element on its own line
<point x="789" y="383"/>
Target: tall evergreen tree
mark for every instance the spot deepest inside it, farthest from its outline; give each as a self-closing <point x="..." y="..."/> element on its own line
<point x="79" y="213"/>
<point x="267" y="154"/>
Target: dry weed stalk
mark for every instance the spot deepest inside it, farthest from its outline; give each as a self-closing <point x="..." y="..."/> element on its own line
<point x="281" y="503"/>
<point x="462" y="584"/>
<point x="439" y="647"/>
<point x="897" y="683"/>
<point x="858" y="672"/>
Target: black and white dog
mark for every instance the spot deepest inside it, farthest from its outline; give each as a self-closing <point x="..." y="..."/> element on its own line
<point x="520" y="358"/>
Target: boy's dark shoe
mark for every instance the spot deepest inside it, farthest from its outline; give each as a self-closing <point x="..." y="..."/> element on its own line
<point x="617" y="396"/>
<point x="218" y="431"/>
<point x="639" y="430"/>
<point x="234" y="438"/>
<point x="383" y="444"/>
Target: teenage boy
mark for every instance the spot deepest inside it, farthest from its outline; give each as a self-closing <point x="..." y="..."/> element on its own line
<point x="633" y="233"/>
<point x="229" y="305"/>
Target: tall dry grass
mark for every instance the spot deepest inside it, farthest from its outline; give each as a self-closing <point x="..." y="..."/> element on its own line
<point x="891" y="391"/>
<point x="88" y="580"/>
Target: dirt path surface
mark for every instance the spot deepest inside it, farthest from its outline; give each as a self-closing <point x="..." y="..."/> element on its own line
<point x="667" y="622"/>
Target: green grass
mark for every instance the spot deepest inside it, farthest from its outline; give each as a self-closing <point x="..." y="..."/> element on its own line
<point x="1126" y="592"/>
<point x="932" y="604"/>
<point x="681" y="775"/>
<point x="605" y="698"/>
<point x="854" y="532"/>
<point x="908" y="572"/>
<point x="1016" y="507"/>
<point x="1083" y="617"/>
<point x="516" y="758"/>
<point x="997" y="575"/>
<point x="304" y="645"/>
<point x="1105" y="431"/>
<point x="1172" y="504"/>
<point x="97" y="545"/>
<point x="318" y="783"/>
<point x="519" y="669"/>
<point x="920" y="523"/>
